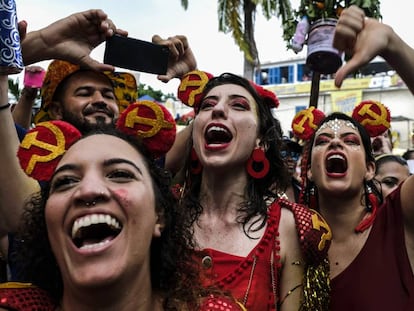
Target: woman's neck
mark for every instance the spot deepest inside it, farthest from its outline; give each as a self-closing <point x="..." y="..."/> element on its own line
<point x="219" y="194"/>
<point x="342" y="214"/>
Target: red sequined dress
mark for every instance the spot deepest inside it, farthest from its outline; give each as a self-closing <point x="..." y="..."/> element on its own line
<point x="254" y="280"/>
<point x="27" y="297"/>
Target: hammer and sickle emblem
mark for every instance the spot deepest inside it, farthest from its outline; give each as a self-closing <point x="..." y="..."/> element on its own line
<point x="318" y="223"/>
<point x="55" y="150"/>
<point x="156" y="124"/>
<point x="200" y="82"/>
<point x="378" y="119"/>
<point x="307" y="116"/>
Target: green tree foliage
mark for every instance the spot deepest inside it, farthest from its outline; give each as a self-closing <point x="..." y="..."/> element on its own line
<point x="14" y="88"/>
<point x="158" y="95"/>
<point x="238" y="17"/>
<point x="319" y="9"/>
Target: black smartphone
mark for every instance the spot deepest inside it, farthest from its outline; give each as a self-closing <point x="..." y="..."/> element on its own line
<point x="135" y="54"/>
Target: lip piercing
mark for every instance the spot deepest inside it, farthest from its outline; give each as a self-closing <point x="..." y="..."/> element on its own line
<point x="93" y="203"/>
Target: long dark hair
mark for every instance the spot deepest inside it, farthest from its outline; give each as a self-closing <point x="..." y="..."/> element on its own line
<point x="257" y="191"/>
<point x="172" y="272"/>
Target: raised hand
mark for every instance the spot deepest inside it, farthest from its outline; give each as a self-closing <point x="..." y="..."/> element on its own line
<point x="71" y="38"/>
<point x="181" y="60"/>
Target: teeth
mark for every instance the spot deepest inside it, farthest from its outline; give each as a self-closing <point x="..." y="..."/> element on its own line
<point x="216" y="128"/>
<point x="95" y="245"/>
<point x="336" y="156"/>
<point x="94" y="219"/>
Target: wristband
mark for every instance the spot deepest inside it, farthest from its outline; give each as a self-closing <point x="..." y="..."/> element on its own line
<point x="5" y="106"/>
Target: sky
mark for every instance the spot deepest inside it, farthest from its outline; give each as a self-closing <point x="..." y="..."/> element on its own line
<point x="215" y="52"/>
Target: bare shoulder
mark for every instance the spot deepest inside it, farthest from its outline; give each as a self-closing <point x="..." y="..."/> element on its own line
<point x="287" y="220"/>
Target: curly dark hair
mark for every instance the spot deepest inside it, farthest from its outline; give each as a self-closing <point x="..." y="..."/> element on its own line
<point x="172" y="272"/>
<point x="257" y="191"/>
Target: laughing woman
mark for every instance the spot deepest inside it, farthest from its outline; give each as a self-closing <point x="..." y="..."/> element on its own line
<point x="104" y="233"/>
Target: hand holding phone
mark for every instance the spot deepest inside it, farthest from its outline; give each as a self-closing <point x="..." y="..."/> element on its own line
<point x="134" y="54"/>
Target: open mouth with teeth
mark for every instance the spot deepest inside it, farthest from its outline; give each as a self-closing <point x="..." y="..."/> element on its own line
<point x="94" y="230"/>
<point x="217" y="135"/>
<point x="336" y="164"/>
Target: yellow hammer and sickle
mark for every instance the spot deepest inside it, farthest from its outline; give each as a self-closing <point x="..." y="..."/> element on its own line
<point x="318" y="223"/>
<point x="157" y="124"/>
<point x="55" y="150"/>
<point x="379" y="119"/>
<point x="186" y="82"/>
<point x="307" y="115"/>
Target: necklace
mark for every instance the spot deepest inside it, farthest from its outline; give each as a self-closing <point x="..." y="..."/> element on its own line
<point x="249" y="284"/>
<point x="266" y="253"/>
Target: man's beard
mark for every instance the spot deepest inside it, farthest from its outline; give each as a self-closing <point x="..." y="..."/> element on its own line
<point x="83" y="124"/>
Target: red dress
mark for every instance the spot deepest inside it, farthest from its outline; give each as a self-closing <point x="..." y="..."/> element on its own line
<point x="254" y="280"/>
<point x="27" y="297"/>
<point x="380" y="277"/>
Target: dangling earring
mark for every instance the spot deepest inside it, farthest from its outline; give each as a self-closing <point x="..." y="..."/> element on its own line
<point x="371" y="206"/>
<point x="258" y="156"/>
<point x="196" y="166"/>
<point x="313" y="200"/>
<point x="372" y="201"/>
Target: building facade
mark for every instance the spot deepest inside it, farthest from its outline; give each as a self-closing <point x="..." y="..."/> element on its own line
<point x="291" y="81"/>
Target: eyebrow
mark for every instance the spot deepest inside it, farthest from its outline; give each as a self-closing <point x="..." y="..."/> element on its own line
<point x="121" y="161"/>
<point x="341" y="136"/>
<point x="232" y="96"/>
<point x="106" y="163"/>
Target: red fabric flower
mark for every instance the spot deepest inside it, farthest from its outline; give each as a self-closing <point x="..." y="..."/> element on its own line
<point x="306" y="121"/>
<point x="152" y="122"/>
<point x="373" y="116"/>
<point x="43" y="147"/>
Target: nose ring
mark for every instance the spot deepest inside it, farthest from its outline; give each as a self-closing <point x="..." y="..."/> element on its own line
<point x="93" y="203"/>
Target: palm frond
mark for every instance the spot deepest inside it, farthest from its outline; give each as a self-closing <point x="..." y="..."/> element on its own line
<point x="184" y="4"/>
<point x="231" y="20"/>
<point x="14" y="88"/>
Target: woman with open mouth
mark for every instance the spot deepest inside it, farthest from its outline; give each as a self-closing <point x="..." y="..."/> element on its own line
<point x="248" y="241"/>
<point x="371" y="255"/>
<point x="104" y="233"/>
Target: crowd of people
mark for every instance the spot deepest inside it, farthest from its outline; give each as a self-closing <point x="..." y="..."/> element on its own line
<point x="233" y="216"/>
